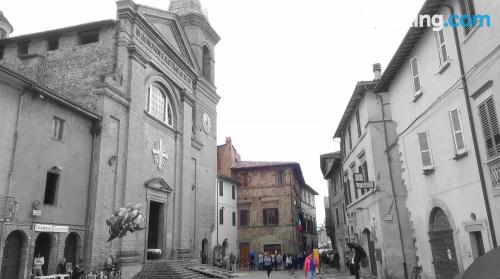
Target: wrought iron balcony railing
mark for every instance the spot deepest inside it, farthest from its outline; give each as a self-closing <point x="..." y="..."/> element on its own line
<point x="494" y="167"/>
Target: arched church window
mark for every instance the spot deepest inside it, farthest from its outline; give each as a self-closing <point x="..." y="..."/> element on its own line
<point x="159" y="105"/>
<point x="207" y="67"/>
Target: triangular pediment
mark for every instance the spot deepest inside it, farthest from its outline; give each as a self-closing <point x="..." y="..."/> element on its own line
<point x="158" y="184"/>
<point x="166" y="25"/>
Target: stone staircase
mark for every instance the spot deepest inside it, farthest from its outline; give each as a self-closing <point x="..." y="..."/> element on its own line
<point x="177" y="269"/>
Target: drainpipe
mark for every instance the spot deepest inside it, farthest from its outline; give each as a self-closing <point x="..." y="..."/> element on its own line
<point x="86" y="247"/>
<point x="387" y="149"/>
<point x="14" y="147"/>
<point x="473" y="128"/>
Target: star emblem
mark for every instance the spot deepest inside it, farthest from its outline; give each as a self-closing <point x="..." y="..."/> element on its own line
<point x="160" y="155"/>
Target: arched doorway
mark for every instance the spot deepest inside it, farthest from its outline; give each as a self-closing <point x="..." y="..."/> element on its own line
<point x="371" y="251"/>
<point x="12" y="254"/>
<point x="204" y="251"/>
<point x="444" y="256"/>
<point x="71" y="246"/>
<point x="42" y="246"/>
<point x="224" y="247"/>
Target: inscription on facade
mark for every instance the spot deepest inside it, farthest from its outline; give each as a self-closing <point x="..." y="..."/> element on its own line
<point x="157" y="50"/>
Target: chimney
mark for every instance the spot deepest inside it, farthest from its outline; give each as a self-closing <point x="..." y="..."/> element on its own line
<point x="377" y="71"/>
<point x="228" y="141"/>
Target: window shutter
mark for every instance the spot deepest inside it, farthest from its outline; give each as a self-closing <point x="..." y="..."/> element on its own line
<point x="456" y="126"/>
<point x="425" y="150"/>
<point x="277" y="216"/>
<point x="264" y="219"/>
<point x="415" y="75"/>
<point x="494" y="124"/>
<point x="491" y="131"/>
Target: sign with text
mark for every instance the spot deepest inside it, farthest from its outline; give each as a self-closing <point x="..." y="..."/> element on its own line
<point x="359" y="177"/>
<point x="37" y="213"/>
<point x="50" y="228"/>
<point x="365" y="185"/>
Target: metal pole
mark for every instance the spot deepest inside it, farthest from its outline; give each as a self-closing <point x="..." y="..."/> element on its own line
<point x="473" y="128"/>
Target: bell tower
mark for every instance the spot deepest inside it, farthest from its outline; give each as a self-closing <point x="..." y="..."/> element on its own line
<point x="5" y="27"/>
<point x="202" y="37"/>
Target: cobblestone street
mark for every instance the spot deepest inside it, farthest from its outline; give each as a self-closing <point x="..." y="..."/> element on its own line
<point x="326" y="274"/>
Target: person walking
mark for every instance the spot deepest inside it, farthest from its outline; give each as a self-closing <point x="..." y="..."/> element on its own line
<point x="38" y="262"/>
<point x="61" y="267"/>
<point x="261" y="261"/>
<point x="232" y="262"/>
<point x="354" y="265"/>
<point x="251" y="259"/>
<point x="268" y="264"/>
<point x="336" y="260"/>
<point x="289" y="263"/>
<point x="279" y="262"/>
<point x="310" y="266"/>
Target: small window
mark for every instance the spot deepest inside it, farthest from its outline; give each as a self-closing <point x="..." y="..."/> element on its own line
<point x="425" y="150"/>
<point x="207" y="64"/>
<point x="491" y="129"/>
<point x="158" y="104"/>
<point x="270" y="216"/>
<point x="53" y="43"/>
<point x="443" y="51"/>
<point x="350" y="136"/>
<point x="2" y="49"/>
<point x="468" y="11"/>
<point x="233" y="192"/>
<point x="279" y="177"/>
<point x="57" y="128"/>
<point x="244" y="218"/>
<point x="456" y="128"/>
<point x="244" y="179"/>
<point x="417" y="86"/>
<point x="88" y="37"/>
<point x="358" y="123"/>
<point x="234" y="219"/>
<point x="22" y="48"/>
<point x="337" y="216"/>
<point x="51" y="185"/>
<point x="221" y="188"/>
<point x="221" y="216"/>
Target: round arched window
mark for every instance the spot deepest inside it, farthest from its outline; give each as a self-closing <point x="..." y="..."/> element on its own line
<point x="159" y="105"/>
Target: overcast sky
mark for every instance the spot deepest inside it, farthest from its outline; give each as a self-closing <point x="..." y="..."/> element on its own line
<point x="285" y="69"/>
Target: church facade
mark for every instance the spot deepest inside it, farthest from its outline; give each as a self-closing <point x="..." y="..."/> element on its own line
<point x="148" y="76"/>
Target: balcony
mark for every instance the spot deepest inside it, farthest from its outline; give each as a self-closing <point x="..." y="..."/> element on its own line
<point x="7" y="208"/>
<point x="494" y="167"/>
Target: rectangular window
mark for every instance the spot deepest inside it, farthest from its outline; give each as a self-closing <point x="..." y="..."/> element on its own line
<point x="244" y="179"/>
<point x="417" y="86"/>
<point x="221" y="216"/>
<point x="2" y="49"/>
<point x="349" y="136"/>
<point x="57" y="128"/>
<point x="358" y="123"/>
<point x="491" y="130"/>
<point x="51" y="185"/>
<point x="279" y="177"/>
<point x="425" y="150"/>
<point x="456" y="128"/>
<point x="467" y="9"/>
<point x="270" y="216"/>
<point x="88" y="37"/>
<point x="344" y="212"/>
<point x="221" y="188"/>
<point x="22" y="48"/>
<point x="53" y="43"/>
<point x="234" y="219"/>
<point x="337" y="216"/>
<point x="244" y="217"/>
<point x="443" y="51"/>
<point x="233" y="192"/>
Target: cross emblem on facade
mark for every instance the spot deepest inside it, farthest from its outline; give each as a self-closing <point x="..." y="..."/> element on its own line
<point x="159" y="154"/>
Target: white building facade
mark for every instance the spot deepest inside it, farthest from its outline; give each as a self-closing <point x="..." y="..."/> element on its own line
<point x="434" y="137"/>
<point x="225" y="233"/>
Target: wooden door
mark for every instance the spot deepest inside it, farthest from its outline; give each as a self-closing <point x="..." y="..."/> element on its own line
<point x="244" y="251"/>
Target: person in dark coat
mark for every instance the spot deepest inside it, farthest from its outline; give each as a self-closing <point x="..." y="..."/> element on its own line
<point x="61" y="267"/>
<point x="336" y="260"/>
<point x="354" y="263"/>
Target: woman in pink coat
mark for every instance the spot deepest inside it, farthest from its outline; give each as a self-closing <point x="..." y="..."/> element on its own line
<point x="310" y="265"/>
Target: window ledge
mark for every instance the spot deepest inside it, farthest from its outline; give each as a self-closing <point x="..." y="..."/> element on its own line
<point x="445" y="66"/>
<point x="27" y="55"/>
<point x="468" y="36"/>
<point x="418" y="95"/>
<point x="429" y="171"/>
<point x="460" y="155"/>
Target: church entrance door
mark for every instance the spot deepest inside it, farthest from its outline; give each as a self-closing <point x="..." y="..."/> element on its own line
<point x="155" y="225"/>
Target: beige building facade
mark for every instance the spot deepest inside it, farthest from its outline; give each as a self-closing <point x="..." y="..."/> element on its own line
<point x="149" y="77"/>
